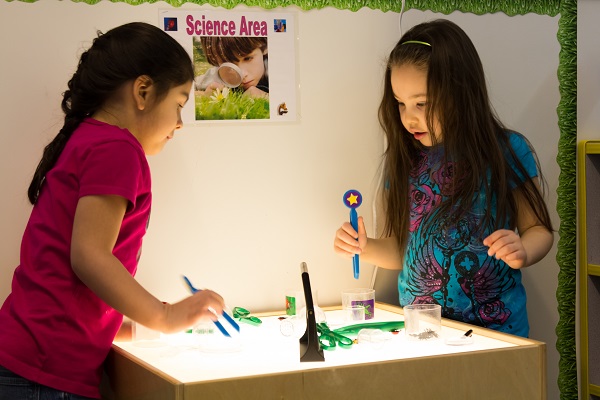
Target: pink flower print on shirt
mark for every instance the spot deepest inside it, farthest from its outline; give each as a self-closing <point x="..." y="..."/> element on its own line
<point x="494" y="312"/>
<point x="422" y="201"/>
<point x="424" y="300"/>
<point x="445" y="178"/>
<point x="420" y="165"/>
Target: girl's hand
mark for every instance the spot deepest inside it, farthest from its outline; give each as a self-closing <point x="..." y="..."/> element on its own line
<point x="348" y="242"/>
<point x="506" y="245"/>
<point x="95" y="230"/>
<point x="204" y="305"/>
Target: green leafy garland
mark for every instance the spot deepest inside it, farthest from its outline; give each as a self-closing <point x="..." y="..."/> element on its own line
<point x="567" y="121"/>
<point x="567" y="200"/>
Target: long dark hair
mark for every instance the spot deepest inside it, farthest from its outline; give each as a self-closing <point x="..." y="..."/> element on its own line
<point x="220" y="49"/>
<point x="115" y="57"/>
<point x="472" y="134"/>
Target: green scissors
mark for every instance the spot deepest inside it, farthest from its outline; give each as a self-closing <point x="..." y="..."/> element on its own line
<point x="243" y="315"/>
<point x="330" y="339"/>
<point x="387" y="326"/>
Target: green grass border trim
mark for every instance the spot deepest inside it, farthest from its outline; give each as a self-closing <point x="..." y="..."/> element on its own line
<point x="509" y="7"/>
<point x="567" y="201"/>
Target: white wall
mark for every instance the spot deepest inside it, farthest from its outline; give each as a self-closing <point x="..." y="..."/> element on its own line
<point x="236" y="207"/>
<point x="291" y="177"/>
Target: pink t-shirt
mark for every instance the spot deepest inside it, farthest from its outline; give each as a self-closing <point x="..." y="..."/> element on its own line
<point x="53" y="329"/>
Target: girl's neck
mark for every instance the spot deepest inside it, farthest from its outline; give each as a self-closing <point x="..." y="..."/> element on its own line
<point x="106" y="117"/>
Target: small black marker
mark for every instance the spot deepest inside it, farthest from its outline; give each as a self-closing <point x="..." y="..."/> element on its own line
<point x="469" y="333"/>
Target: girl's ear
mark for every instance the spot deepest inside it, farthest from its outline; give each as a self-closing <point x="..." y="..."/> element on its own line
<point x="141" y="90"/>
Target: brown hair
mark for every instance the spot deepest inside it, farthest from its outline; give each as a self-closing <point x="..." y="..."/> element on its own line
<point x="220" y="49"/>
<point x="473" y="136"/>
<point x="117" y="56"/>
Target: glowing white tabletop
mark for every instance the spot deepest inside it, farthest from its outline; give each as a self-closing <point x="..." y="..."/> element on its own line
<point x="262" y="363"/>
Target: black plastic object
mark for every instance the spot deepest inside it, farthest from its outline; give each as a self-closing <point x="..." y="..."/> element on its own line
<point x="310" y="348"/>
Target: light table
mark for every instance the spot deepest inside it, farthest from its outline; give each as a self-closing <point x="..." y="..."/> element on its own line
<point x="266" y="365"/>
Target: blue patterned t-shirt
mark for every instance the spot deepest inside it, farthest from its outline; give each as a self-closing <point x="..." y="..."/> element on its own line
<point x="446" y="262"/>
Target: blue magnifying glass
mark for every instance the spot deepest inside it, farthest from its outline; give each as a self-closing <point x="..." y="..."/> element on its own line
<point x="352" y="200"/>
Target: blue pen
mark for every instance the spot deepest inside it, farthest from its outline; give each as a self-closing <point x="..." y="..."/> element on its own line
<point x="225" y="315"/>
<point x="352" y="200"/>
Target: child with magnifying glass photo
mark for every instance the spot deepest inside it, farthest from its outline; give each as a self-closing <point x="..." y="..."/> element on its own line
<point x="236" y="83"/>
<point x="237" y="62"/>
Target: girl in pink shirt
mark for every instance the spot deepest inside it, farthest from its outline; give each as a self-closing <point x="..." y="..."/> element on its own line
<point x="91" y="196"/>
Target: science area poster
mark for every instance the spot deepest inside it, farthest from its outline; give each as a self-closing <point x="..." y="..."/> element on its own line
<point x="245" y="63"/>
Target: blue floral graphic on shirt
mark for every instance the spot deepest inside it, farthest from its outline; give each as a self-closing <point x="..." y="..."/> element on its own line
<point x="446" y="262"/>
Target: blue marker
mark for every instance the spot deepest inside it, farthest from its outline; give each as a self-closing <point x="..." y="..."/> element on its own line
<point x="352" y="200"/>
<point x="225" y="315"/>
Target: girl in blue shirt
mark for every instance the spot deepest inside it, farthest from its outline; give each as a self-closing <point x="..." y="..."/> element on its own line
<point x="463" y="199"/>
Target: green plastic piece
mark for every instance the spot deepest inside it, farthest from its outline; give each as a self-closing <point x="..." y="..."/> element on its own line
<point x="244" y="316"/>
<point x="384" y="326"/>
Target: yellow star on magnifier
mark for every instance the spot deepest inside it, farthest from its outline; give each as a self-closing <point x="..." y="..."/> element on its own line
<point x="352" y="199"/>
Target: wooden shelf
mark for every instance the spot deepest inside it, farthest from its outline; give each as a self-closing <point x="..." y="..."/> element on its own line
<point x="593" y="270"/>
<point x="588" y="213"/>
<point x="592" y="147"/>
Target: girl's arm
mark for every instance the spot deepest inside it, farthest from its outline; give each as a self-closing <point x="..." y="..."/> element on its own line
<point x="381" y="252"/>
<point x="529" y="246"/>
<point x="95" y="229"/>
